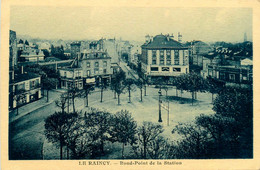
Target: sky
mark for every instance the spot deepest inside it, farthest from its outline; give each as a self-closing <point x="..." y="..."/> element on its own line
<point x="132" y="23"/>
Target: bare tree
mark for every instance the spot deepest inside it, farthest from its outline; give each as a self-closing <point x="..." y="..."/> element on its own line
<point x="146" y="133"/>
<point x="129" y="83"/>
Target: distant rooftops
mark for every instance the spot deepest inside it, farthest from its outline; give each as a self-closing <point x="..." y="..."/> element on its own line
<point x="76" y="43"/>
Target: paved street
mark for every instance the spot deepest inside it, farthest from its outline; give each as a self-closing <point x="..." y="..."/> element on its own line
<point x="27" y="132"/>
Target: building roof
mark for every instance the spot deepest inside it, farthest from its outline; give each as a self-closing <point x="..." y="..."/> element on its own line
<point x="210" y="55"/>
<point x="162" y="41"/>
<point x="23" y="77"/>
<point x="71" y="68"/>
<point x="48" y="59"/>
<point x="246" y="61"/>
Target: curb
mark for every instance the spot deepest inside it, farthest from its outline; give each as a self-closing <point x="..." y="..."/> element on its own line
<point x="10" y="121"/>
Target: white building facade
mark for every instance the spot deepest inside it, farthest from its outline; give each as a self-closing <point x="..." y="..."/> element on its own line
<point x="164" y="57"/>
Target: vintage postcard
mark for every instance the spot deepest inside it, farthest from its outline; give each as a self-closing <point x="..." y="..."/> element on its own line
<point x="130" y="84"/>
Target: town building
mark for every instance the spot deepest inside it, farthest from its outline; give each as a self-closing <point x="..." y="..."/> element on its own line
<point x="162" y="56"/>
<point x="23" y="88"/>
<point x="199" y="49"/>
<point x="96" y="64"/>
<point x="232" y="74"/>
<point x="97" y="45"/>
<point x="71" y="77"/>
<point x="31" y="55"/>
<point x="12" y="50"/>
<point x="74" y="49"/>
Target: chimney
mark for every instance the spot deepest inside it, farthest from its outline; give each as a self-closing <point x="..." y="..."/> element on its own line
<point x="147" y="38"/>
<point x="179" y="37"/>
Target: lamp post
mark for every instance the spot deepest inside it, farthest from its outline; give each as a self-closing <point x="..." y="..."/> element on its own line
<point x="160" y="111"/>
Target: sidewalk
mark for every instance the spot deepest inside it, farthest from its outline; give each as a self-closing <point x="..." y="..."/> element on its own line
<point x="30" y="107"/>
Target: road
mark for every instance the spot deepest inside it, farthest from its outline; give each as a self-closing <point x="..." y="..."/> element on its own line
<point x="26" y="134"/>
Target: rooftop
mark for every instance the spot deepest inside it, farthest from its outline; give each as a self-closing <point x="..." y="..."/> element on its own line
<point x="162" y="41"/>
<point x="24" y="77"/>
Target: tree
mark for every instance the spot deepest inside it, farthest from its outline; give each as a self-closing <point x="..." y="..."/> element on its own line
<point x="26" y="42"/>
<point x="101" y="122"/>
<point x="117" y="83"/>
<point x="61" y="102"/>
<point x="158" y="148"/>
<point x="226" y="134"/>
<point x="145" y="80"/>
<point x="46" y="53"/>
<point x="159" y="82"/>
<point x="48" y="84"/>
<point x="123" y="128"/>
<point x="218" y="128"/>
<point x="129" y="83"/>
<point x="56" y="128"/>
<point x="146" y="133"/>
<point x="193" y="145"/>
<point x="20" y="41"/>
<point x="73" y="93"/>
<point x="213" y="86"/>
<point x="237" y="104"/>
<point x="58" y="52"/>
<point x="192" y="83"/>
<point x="103" y="85"/>
<point x="87" y="90"/>
<point x="140" y="85"/>
<point x="82" y="140"/>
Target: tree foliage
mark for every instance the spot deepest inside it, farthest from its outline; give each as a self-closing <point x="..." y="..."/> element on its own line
<point x="129" y="84"/>
<point x="56" y="128"/>
<point x="146" y="134"/>
<point x="117" y="83"/>
<point x="226" y="134"/>
<point x="123" y="128"/>
<point x="100" y="122"/>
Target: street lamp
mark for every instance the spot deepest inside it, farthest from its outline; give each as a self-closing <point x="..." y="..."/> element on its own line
<point x="160" y="111"/>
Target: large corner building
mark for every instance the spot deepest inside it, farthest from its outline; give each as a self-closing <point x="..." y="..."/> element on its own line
<point x="162" y="56"/>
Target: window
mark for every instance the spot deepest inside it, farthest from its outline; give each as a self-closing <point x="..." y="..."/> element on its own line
<point x="88" y="64"/>
<point x="232" y="77"/>
<point x="96" y="64"/>
<point x="65" y="74"/>
<point x="165" y="69"/>
<point x="168" y="57"/>
<point x="222" y="76"/>
<point x="176" y="57"/>
<point x="154" y="68"/>
<point x="96" y="71"/>
<point x="210" y="72"/>
<point x="80" y="85"/>
<point x="105" y="71"/>
<point x="32" y="84"/>
<point x="161" y="57"/>
<point x="176" y="69"/>
<point x="78" y="74"/>
<point x="88" y="72"/>
<point x="154" y="57"/>
<point x="104" y="63"/>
